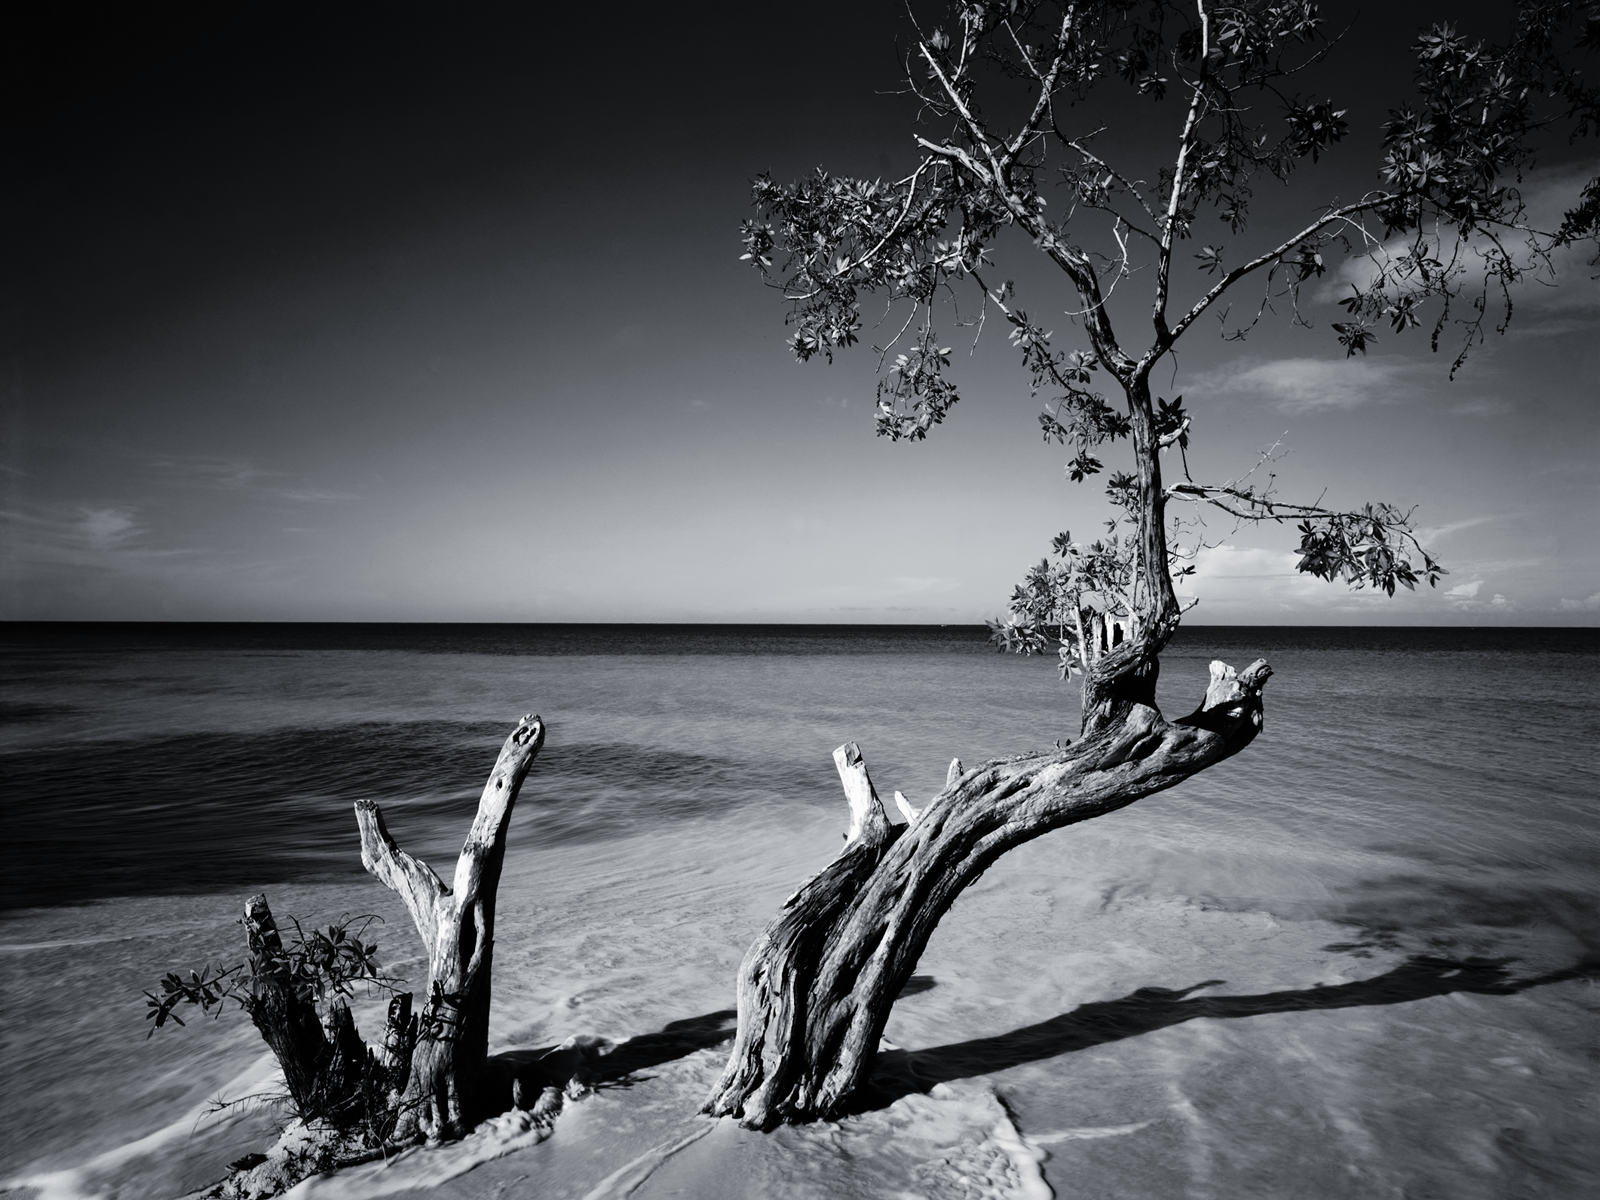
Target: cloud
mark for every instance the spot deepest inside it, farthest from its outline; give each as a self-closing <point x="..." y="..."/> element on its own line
<point x="71" y="530"/>
<point x="77" y="560"/>
<point x="1303" y="385"/>
<point x="1561" y="282"/>
<point x="229" y="474"/>
<point x="104" y="528"/>
<point x="1499" y="604"/>
<point x="75" y="536"/>
<point x="1464" y="598"/>
<point x="1432" y="533"/>
<point x="241" y="476"/>
<point x="1230" y="581"/>
<point x="1587" y="604"/>
<point x="1229" y="576"/>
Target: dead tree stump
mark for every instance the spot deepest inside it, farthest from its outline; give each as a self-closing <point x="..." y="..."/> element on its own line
<point x="287" y="1021"/>
<point x="442" y="1092"/>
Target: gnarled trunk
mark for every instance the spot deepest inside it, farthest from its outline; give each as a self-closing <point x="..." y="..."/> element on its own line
<point x="443" y="1092"/>
<point x="816" y="988"/>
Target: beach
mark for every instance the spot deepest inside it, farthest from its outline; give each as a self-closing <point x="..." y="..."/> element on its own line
<point x="1356" y="960"/>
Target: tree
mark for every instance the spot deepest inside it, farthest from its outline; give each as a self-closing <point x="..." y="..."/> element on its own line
<point x="1011" y="154"/>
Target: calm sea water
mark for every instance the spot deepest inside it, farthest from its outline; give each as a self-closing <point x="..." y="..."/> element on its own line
<point x="1417" y="797"/>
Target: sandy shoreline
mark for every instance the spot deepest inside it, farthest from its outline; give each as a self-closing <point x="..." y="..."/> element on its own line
<point x="1124" y="1041"/>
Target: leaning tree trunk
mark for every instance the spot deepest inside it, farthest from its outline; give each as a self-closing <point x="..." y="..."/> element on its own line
<point x="816" y="988"/>
<point x="443" y="1094"/>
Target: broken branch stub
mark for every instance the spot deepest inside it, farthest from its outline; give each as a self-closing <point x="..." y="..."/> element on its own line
<point x="867" y="817"/>
<point x="442" y="1093"/>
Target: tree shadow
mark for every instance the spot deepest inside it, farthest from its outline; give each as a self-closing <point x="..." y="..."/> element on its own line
<point x="602" y="1063"/>
<point x="901" y="1072"/>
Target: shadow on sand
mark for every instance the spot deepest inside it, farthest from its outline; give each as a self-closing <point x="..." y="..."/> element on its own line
<point x="604" y="1065"/>
<point x="901" y="1072"/>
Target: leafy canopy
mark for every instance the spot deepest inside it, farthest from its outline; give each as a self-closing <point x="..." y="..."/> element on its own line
<point x="1007" y="146"/>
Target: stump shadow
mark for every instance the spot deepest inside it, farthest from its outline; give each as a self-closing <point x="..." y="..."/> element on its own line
<point x="603" y="1064"/>
<point x="674" y="1040"/>
<point x="902" y="1072"/>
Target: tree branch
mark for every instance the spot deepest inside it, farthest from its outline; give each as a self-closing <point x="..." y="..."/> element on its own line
<point x="1035" y="121"/>
<point x="1273" y="255"/>
<point x="413" y="880"/>
<point x="1164" y="256"/>
<point x="494" y="806"/>
<point x="868" y="821"/>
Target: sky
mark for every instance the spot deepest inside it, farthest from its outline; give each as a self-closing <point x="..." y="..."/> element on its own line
<point x="410" y="313"/>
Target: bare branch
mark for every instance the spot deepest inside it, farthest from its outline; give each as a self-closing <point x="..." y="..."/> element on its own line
<point x="1180" y="170"/>
<point x="413" y="880"/>
<point x="1366" y="203"/>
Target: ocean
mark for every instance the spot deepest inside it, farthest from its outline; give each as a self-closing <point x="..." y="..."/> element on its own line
<point x="1356" y="960"/>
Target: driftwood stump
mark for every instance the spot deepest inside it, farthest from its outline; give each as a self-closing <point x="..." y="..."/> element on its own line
<point x="442" y="1096"/>
<point x="815" y="989"/>
<point x="287" y="1021"/>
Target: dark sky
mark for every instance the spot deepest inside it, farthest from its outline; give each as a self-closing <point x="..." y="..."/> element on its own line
<point x="392" y="312"/>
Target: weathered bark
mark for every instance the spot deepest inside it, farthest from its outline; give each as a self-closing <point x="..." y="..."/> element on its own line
<point x="816" y="988"/>
<point x="287" y="1021"/>
<point x="442" y="1093"/>
<point x="399" y="1040"/>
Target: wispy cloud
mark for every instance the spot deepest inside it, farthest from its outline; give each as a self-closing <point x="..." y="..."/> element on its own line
<point x="75" y="535"/>
<point x="1228" y="575"/>
<point x="1434" y="533"/>
<point x="104" y="528"/>
<point x="1589" y="603"/>
<point x="1231" y="578"/>
<point x="1303" y="385"/>
<point x="1496" y="604"/>
<point x="241" y="476"/>
<point x="1561" y="282"/>
<point x="229" y="474"/>
<point x="71" y="560"/>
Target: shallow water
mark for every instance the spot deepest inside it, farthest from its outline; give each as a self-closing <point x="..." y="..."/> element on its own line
<point x="1355" y="960"/>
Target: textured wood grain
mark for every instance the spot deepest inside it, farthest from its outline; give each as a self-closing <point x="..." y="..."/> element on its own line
<point x="442" y="1095"/>
<point x="816" y="988"/>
